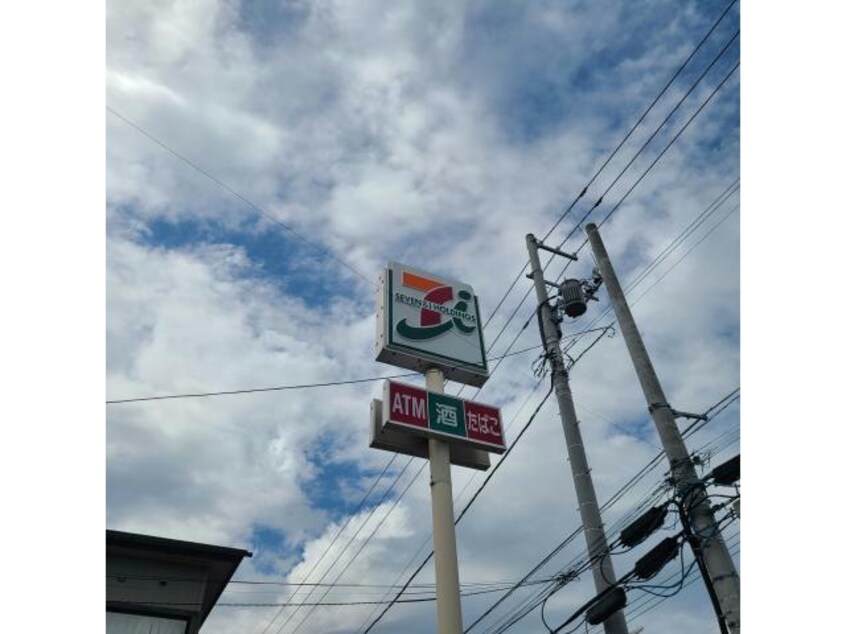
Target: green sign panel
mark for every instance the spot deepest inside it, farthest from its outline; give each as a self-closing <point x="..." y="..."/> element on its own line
<point x="425" y="413"/>
<point x="446" y="414"/>
<point x="425" y="321"/>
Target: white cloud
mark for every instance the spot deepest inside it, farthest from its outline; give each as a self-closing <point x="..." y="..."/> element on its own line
<point x="376" y="130"/>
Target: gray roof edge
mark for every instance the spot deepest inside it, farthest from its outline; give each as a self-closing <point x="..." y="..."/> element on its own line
<point x="229" y="558"/>
<point x="149" y="542"/>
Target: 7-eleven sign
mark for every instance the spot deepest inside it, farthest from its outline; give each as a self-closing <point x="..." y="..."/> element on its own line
<point x="428" y="321"/>
<point x="443" y="416"/>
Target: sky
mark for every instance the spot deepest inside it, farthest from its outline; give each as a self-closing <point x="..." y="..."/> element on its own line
<point x="262" y="162"/>
<point x="265" y="160"/>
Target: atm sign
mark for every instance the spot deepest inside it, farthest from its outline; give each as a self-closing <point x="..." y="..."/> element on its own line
<point x="440" y="415"/>
<point x="407" y="405"/>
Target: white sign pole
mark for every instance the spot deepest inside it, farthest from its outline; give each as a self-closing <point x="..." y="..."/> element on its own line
<point x="443" y="525"/>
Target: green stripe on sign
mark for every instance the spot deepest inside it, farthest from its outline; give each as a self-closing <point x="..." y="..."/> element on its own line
<point x="446" y="415"/>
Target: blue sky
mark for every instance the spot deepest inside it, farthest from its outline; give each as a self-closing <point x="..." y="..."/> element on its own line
<point x="274" y="256"/>
<point x="432" y="133"/>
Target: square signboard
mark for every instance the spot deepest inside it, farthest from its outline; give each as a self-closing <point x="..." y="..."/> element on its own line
<point x="418" y="411"/>
<point x="401" y="441"/>
<point x="425" y="321"/>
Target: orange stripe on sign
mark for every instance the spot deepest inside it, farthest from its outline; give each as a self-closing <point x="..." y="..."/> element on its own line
<point x="420" y="283"/>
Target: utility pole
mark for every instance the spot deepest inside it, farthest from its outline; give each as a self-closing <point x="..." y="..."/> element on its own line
<point x="603" y="569"/>
<point x="443" y="526"/>
<point x="716" y="556"/>
<point x="696" y="547"/>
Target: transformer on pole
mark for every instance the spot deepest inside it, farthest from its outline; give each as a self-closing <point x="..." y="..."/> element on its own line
<point x="573" y="298"/>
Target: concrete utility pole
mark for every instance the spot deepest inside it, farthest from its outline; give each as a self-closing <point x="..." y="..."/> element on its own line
<point x="603" y="569"/>
<point x="716" y="556"/>
<point x="447" y="585"/>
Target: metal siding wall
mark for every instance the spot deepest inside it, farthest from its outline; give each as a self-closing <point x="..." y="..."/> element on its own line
<point x="119" y="623"/>
<point x="134" y="580"/>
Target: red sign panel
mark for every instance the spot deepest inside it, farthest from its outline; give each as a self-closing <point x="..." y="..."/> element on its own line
<point x="483" y="423"/>
<point x="407" y="404"/>
<point x="443" y="416"/>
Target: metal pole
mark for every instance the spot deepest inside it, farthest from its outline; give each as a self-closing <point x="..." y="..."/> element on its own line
<point x="443" y="526"/>
<point x="603" y="569"/>
<point x="696" y="547"/>
<point x="713" y="549"/>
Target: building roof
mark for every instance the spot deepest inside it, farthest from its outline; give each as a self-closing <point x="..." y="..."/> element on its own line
<point x="221" y="562"/>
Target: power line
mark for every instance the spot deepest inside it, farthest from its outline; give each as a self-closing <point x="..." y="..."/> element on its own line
<point x="304" y="386"/>
<point x="413" y="479"/>
<point x="524" y="581"/>
<point x="654" y="462"/>
<point x="358" y="552"/>
<point x="654" y="133"/>
<point x="712" y="208"/>
<point x="224" y="186"/>
<point x="361" y="526"/>
<point x="651" y="165"/>
<point x="576" y="337"/>
<point x="463" y="512"/>
<point x="684" y="256"/>
<point x="624" y="197"/>
<point x="684" y="234"/>
<point x="487" y="479"/>
<point x="662" y="256"/>
<point x="642" y="604"/>
<point x="596" y="174"/>
<point x="530" y="604"/>
<point x="630" y="190"/>
<point x="457" y="498"/>
<point x="255" y="390"/>
<point x="575" y="567"/>
<point x="669" y="145"/>
<point x="419" y="587"/>
<point x="645" y="587"/>
<point x="637" y="182"/>
<point x="312" y="604"/>
<point x="341" y="530"/>
<point x="666" y="251"/>
<point x="717" y="409"/>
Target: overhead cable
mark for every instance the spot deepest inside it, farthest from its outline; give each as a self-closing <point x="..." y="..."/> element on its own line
<point x="616" y="150"/>
<point x="620" y="201"/>
<point x="464" y="510"/>
<point x="638" y="181"/>
<point x="222" y="185"/>
<point x="720" y="406"/>
<point x="358" y="530"/>
<point x="674" y="244"/>
<point x="305" y="386"/>
<point x="608" y="159"/>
